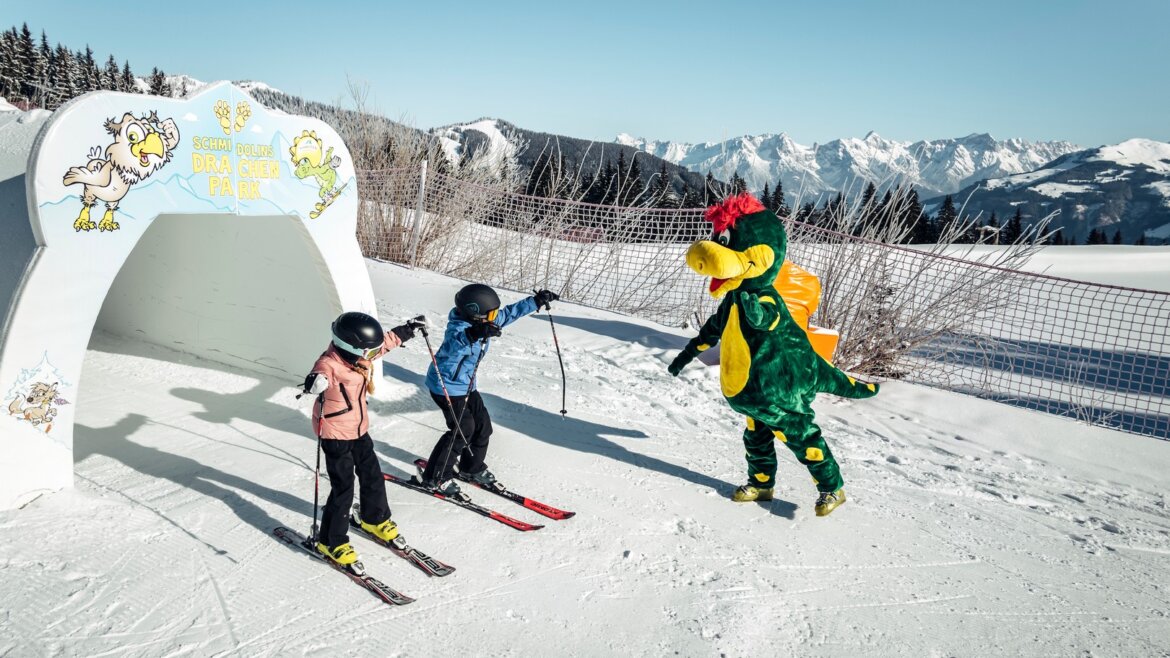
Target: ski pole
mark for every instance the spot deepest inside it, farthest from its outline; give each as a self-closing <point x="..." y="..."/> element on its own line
<point x="557" y="344"/>
<point x="466" y="401"/>
<point x="447" y="396"/>
<point x="316" y="492"/>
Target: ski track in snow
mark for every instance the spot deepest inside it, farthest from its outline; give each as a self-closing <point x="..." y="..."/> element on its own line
<point x="971" y="528"/>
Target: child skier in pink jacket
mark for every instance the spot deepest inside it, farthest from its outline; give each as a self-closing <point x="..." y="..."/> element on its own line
<point x="340" y="379"/>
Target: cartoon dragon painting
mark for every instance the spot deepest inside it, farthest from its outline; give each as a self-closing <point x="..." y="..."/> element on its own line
<point x="307" y="156"/>
<point x="141" y="146"/>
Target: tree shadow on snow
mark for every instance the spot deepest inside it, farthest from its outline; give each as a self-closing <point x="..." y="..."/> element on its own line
<point x="114" y="442"/>
<point x="547" y="426"/>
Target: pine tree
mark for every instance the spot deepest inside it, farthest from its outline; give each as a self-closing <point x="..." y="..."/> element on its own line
<point x="711" y="192"/>
<point x="738" y="184"/>
<point x="868" y="203"/>
<point x="911" y="209"/>
<point x="635" y="187"/>
<point x="127" y="82"/>
<point x="39" y="80"/>
<point x="947" y="218"/>
<point x="1141" y="241"/>
<point x="91" y="75"/>
<point x="1014" y="229"/>
<point x="807" y="213"/>
<point x="26" y="53"/>
<point x="992" y="232"/>
<point x="1058" y="237"/>
<point x="766" y="196"/>
<point x="1117" y="236"/>
<point x="111" y="76"/>
<point x="779" y="203"/>
<point x="660" y="192"/>
<point x="8" y="73"/>
<point x="158" y="82"/>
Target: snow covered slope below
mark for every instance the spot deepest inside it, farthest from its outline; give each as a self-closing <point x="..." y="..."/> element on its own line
<point x="971" y="528"/>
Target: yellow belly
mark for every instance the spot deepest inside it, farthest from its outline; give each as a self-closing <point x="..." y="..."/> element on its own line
<point x="735" y="359"/>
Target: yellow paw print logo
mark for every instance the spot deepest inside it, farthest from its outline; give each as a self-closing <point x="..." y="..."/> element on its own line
<point x="243" y="113"/>
<point x="223" y="112"/>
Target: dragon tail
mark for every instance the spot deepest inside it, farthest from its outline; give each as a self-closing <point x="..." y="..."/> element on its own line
<point x="831" y="380"/>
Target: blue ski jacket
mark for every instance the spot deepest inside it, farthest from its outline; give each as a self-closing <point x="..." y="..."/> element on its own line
<point x="457" y="355"/>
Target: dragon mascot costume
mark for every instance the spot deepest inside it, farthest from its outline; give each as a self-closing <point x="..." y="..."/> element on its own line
<point x="770" y="370"/>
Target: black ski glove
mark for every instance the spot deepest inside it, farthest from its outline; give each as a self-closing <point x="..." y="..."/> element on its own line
<point x="543" y="298"/>
<point x="483" y="331"/>
<point x="406" y="331"/>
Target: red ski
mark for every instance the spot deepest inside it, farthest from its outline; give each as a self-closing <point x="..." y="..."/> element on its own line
<point x="464" y="503"/>
<point x="524" y="501"/>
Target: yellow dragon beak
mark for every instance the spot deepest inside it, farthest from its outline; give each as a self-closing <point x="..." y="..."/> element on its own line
<point x="727" y="267"/>
<point x="153" y="144"/>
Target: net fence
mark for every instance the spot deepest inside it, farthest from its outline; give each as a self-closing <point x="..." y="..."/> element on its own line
<point x="1093" y="352"/>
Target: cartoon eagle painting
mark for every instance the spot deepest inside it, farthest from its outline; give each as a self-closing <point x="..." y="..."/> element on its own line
<point x="141" y="146"/>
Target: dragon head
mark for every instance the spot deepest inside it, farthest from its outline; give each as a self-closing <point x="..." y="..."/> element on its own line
<point x="746" y="249"/>
<point x="306" y="153"/>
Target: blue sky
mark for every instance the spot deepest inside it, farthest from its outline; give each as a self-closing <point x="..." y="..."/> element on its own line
<point x="1088" y="72"/>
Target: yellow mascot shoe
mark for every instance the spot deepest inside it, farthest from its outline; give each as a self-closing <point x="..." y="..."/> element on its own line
<point x="747" y="493"/>
<point x="387" y="530"/>
<point x="342" y="554"/>
<point x="828" y="501"/>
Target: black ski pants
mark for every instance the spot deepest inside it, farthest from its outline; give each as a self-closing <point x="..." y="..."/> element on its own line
<point x="342" y="460"/>
<point x="468" y="450"/>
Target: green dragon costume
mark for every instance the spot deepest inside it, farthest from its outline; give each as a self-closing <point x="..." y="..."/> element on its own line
<point x="769" y="371"/>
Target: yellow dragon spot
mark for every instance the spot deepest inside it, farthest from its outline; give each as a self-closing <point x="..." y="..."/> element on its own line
<point x="761" y="477"/>
<point x="780" y="436"/>
<point x="814" y="454"/>
<point x="307" y="147"/>
<point x="735" y="359"/>
<point x="751" y="423"/>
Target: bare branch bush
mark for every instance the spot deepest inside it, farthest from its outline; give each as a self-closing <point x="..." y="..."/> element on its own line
<point x="389" y="154"/>
<point x="893" y="303"/>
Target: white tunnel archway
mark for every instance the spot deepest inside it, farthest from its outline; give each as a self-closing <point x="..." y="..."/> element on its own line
<point x="210" y="225"/>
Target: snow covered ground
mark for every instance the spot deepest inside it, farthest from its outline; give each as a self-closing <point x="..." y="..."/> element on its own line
<point x="972" y="528"/>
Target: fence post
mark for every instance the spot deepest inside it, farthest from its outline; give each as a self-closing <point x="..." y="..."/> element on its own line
<point x="418" y="213"/>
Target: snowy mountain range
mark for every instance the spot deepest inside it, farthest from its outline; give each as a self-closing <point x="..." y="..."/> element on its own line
<point x="524" y="148"/>
<point x="934" y="167"/>
<point x="1123" y="187"/>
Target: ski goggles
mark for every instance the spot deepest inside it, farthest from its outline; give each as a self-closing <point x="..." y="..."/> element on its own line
<point x="366" y="354"/>
<point x="490" y="316"/>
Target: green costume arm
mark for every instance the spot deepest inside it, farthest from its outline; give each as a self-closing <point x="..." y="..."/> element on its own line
<point x="760" y="311"/>
<point x="708" y="335"/>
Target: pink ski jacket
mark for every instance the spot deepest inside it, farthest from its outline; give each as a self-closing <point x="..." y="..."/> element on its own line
<point x="340" y="412"/>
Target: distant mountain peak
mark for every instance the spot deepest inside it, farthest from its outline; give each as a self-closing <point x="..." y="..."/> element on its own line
<point x="938" y="166"/>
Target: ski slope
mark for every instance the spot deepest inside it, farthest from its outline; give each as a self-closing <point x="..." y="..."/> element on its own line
<point x="971" y="528"/>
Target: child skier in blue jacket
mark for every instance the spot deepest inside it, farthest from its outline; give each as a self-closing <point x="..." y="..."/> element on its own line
<point x="476" y="318"/>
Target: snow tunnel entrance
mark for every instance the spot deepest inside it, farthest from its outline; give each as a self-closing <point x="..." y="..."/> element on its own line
<point x="250" y="293"/>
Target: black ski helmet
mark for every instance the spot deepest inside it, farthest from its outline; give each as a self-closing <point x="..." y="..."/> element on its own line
<point x="475" y="301"/>
<point x="357" y="333"/>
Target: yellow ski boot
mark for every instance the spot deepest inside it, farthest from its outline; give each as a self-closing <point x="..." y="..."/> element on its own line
<point x="342" y="554"/>
<point x="828" y="501"/>
<point x="747" y="493"/>
<point x="387" y="530"/>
